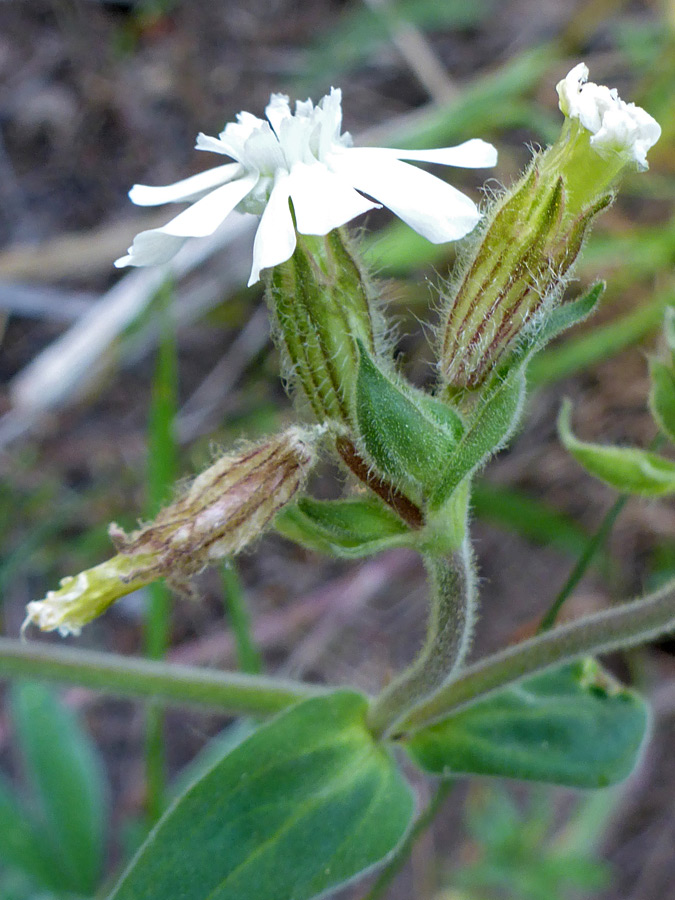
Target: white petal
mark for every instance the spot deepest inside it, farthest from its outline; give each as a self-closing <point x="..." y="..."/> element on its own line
<point x="275" y="238"/>
<point x="473" y="154"/>
<point x="186" y="190"/>
<point x="151" y="248"/>
<point x="204" y="216"/>
<point x="323" y="200"/>
<point x="278" y="109"/>
<point x="212" y="145"/>
<point x="435" y="209"/>
<point x="262" y="152"/>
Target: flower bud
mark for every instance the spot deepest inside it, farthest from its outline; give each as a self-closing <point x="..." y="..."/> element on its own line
<point x="322" y="305"/>
<point x="535" y="232"/>
<point x="222" y="511"/>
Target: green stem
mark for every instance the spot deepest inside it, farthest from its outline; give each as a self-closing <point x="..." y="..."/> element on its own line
<point x="584" y="561"/>
<point x="624" y="626"/>
<point x="401" y="854"/>
<point x="451" y="616"/>
<point x="129" y="676"/>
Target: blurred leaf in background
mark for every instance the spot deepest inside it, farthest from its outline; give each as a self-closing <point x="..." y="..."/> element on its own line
<point x="52" y="839"/>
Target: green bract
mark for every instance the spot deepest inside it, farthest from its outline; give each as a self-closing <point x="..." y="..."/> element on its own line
<point x="408" y="435"/>
<point x="348" y="528"/>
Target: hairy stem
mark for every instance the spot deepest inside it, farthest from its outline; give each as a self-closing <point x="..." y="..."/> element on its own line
<point x="451" y="614"/>
<point x="624" y="626"/>
<point x="127" y="676"/>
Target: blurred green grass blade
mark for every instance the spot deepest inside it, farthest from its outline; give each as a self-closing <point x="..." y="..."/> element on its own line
<point x="532" y="519"/>
<point x="362" y="31"/>
<point x="580" y="353"/>
<point x="593" y="547"/>
<point x="162" y="452"/>
<point x="479" y="106"/>
<point x="162" y="468"/>
<point x="635" y="254"/>
<point x="23" y="846"/>
<point x="248" y="656"/>
<point x="67" y="780"/>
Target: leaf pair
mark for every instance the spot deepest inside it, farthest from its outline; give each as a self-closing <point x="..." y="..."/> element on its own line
<point x="310" y="800"/>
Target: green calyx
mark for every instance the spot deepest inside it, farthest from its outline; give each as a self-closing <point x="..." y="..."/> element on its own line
<point x="518" y="270"/>
<point x="321" y="305"/>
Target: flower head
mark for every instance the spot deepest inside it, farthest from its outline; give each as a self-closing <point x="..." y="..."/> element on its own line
<point x="303" y="157"/>
<point x="616" y="127"/>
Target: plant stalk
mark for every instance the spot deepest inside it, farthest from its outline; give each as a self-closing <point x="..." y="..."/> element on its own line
<point x="631" y="623"/>
<point x="228" y="692"/>
<point x="449" y="631"/>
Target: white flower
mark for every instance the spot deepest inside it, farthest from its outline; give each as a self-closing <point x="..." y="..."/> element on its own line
<point x="304" y="158"/>
<point x="615" y="126"/>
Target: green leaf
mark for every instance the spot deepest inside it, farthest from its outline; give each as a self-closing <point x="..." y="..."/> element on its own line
<point x="574" y="726"/>
<point x="66" y="776"/>
<point x="662" y="397"/>
<point x="628" y="469"/>
<point x="569" y="314"/>
<point x="581" y="352"/>
<point x="346" y="528"/>
<point x="407" y="434"/>
<point x="492" y="425"/>
<point x="306" y="803"/>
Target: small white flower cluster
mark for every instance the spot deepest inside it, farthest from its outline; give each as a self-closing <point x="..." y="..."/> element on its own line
<point x="615" y="126"/>
<point x="302" y="157"/>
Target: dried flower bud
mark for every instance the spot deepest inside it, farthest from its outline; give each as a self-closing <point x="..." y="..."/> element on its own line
<point x="225" y="508"/>
<point x="535" y="232"/>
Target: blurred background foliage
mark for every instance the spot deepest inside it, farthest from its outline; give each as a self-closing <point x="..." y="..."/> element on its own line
<point x="96" y="95"/>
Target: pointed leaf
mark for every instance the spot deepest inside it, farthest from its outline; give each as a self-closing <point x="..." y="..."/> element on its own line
<point x="407" y="434"/>
<point x="662" y="397"/>
<point x="628" y="469"/>
<point x="67" y="779"/>
<point x="569" y="314"/>
<point x="574" y="726"/>
<point x="346" y="528"/>
<point x="306" y="803"/>
<point x="492" y="425"/>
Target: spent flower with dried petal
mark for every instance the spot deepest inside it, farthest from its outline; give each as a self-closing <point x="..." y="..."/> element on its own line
<point x="303" y="157"/>
<point x="222" y="511"/>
